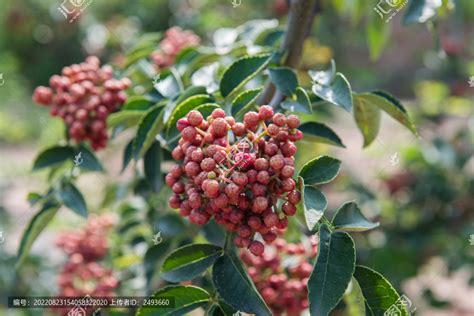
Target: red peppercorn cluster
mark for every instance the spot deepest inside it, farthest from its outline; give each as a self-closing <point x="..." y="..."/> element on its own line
<point x="239" y="173"/>
<point x="175" y="40"/>
<point x="282" y="286"/>
<point x="83" y="96"/>
<point x="83" y="274"/>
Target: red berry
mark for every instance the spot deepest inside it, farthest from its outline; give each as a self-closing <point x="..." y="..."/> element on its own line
<point x="265" y="113"/>
<point x="189" y="133"/>
<point x="195" y="118"/>
<point x="279" y="119"/>
<point x="293" y="121"/>
<point x="251" y="120"/>
<point x="294" y="197"/>
<point x="218" y="113"/>
<point x="289" y="209"/>
<point x="257" y="248"/>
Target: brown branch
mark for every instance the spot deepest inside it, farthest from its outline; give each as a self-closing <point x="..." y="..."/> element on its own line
<point x="300" y="21"/>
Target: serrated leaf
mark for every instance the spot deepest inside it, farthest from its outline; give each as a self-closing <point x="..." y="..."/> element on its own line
<point x="206" y="77"/>
<point x="152" y="166"/>
<point x="187" y="105"/>
<point x="314" y="205"/>
<point x="300" y="104"/>
<point x="188" y="262"/>
<point x="350" y="218"/>
<point x="391" y="106"/>
<point x="148" y="128"/>
<point x="378" y="293"/>
<point x="367" y="117"/>
<point x="235" y="286"/>
<point x="332" y="271"/>
<point x="320" y="133"/>
<point x="186" y="299"/>
<point x="243" y="101"/>
<point x="320" y="170"/>
<point x="189" y="92"/>
<point x="284" y="78"/>
<point x="53" y="156"/>
<point x="242" y="71"/>
<point x="338" y="92"/>
<point x="137" y="103"/>
<point x="34" y="228"/>
<point x="206" y="109"/>
<point x="421" y="11"/>
<point x="72" y="198"/>
<point x="170" y="86"/>
<point x="89" y="160"/>
<point x="127" y="118"/>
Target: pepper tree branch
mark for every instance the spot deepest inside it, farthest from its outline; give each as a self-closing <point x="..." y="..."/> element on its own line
<point x="300" y="21"/>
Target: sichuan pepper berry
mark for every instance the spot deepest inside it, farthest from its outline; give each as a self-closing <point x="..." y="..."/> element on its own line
<point x="83" y="96"/>
<point x="238" y="173"/>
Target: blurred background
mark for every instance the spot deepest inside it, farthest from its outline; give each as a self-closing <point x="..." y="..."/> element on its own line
<point x="420" y="189"/>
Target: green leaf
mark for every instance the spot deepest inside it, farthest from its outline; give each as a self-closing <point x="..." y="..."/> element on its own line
<point x="379" y="294"/>
<point x="284" y="79"/>
<point x="188" y="262"/>
<point x="338" y="92"/>
<point x="300" y="104"/>
<point x="391" y="106"/>
<point x="89" y="160"/>
<point x="367" y="117"/>
<point x="314" y="205"/>
<point x="206" y="109"/>
<point x="421" y="11"/>
<point x="320" y="133"/>
<point x="149" y="127"/>
<point x="235" y="286"/>
<point x="127" y="155"/>
<point x="332" y="272"/>
<point x="320" y="170"/>
<point x="126" y="118"/>
<point x="350" y="218"/>
<point x="170" y="84"/>
<point x="186" y="298"/>
<point x="72" y="198"/>
<point x="242" y="71"/>
<point x="324" y="77"/>
<point x="378" y="33"/>
<point x="354" y="299"/>
<point x="152" y="166"/>
<point x="243" y="101"/>
<point x="34" y="228"/>
<point x="189" y="92"/>
<point x="137" y="103"/>
<point x="187" y="105"/>
<point x="53" y="156"/>
<point x="34" y="198"/>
